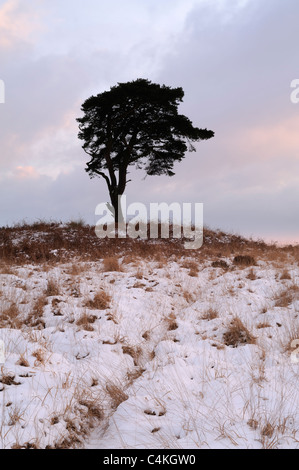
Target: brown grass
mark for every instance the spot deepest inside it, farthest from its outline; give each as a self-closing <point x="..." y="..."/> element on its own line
<point x="290" y="341"/>
<point x="101" y="301"/>
<point x="52" y="288"/>
<point x="35" y="319"/>
<point x="210" y="314"/>
<point x="94" y="410"/>
<point x="15" y="415"/>
<point x="134" y="375"/>
<point x="39" y="355"/>
<point x="6" y="269"/>
<point x="192" y="266"/>
<point x="237" y="333"/>
<point x="139" y="274"/>
<point x="171" y="322"/>
<point x="263" y="325"/>
<point x="268" y="430"/>
<point x="22" y="361"/>
<point x="286" y="296"/>
<point x="8" y="379"/>
<point x="285" y="275"/>
<point x="10" y="317"/>
<point x="220" y="264"/>
<point x="116" y="393"/>
<point x="244" y="260"/>
<point x="86" y="321"/>
<point x="57" y="243"/>
<point x="188" y="296"/>
<point x="133" y="351"/>
<point x="76" y="269"/>
<point x="251" y="275"/>
<point x="111" y="264"/>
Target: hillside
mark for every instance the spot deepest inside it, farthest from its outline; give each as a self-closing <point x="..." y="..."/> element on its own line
<point x="143" y="344"/>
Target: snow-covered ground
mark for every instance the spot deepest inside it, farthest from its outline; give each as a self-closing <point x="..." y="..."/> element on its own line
<point x="146" y="356"/>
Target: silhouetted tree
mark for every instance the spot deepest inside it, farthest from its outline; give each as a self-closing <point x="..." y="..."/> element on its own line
<point x="135" y="123"/>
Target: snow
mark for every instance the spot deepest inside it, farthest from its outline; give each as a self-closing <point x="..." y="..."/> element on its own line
<point x="173" y="382"/>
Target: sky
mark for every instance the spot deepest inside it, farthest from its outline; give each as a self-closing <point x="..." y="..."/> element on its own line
<point x="235" y="60"/>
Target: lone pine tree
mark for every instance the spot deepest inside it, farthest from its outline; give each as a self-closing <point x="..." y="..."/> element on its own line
<point x="135" y="123"/>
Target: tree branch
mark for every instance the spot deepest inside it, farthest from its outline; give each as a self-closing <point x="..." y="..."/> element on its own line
<point x="100" y="173"/>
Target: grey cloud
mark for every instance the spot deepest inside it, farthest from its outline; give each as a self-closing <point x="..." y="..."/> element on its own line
<point x="236" y="73"/>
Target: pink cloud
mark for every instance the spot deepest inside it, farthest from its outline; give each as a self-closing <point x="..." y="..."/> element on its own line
<point x="26" y="172"/>
<point x="271" y="140"/>
<point x="16" y="24"/>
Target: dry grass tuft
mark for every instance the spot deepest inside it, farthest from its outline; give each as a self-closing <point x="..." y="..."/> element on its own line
<point x="188" y="296"/>
<point x="75" y="269"/>
<point x="133" y="351"/>
<point x="285" y="275"/>
<point x="22" y="361"/>
<point x="244" y="260"/>
<point x="286" y="296"/>
<point x="171" y="322"/>
<point x="8" y="379"/>
<point x="134" y="375"/>
<point x="220" y="264"/>
<point x="7" y="269"/>
<point x="116" y="393"/>
<point x="263" y="325"/>
<point x="251" y="275"/>
<point x="52" y="288"/>
<point x="139" y="274"/>
<point x="101" y="301"/>
<point x="237" y="333"/>
<point x="290" y="342"/>
<point x="268" y="430"/>
<point x="40" y="356"/>
<point x="111" y="264"/>
<point x="10" y="317"/>
<point x="76" y="224"/>
<point x="192" y="266"/>
<point x="15" y="416"/>
<point x="210" y="314"/>
<point x="85" y="321"/>
<point x="94" y="410"/>
<point x="35" y="319"/>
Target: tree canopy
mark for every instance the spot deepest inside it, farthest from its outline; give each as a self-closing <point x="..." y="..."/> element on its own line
<point x="135" y="123"/>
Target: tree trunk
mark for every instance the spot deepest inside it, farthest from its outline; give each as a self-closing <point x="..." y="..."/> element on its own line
<point x="115" y="201"/>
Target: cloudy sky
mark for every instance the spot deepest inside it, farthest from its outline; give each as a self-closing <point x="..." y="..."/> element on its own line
<point x="235" y="60"/>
